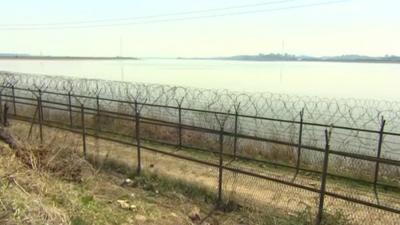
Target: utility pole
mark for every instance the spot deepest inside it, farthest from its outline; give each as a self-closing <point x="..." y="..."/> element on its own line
<point x="121" y="55"/>
<point x="281" y="67"/>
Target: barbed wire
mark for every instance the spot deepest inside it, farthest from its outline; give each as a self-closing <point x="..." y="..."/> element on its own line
<point x="356" y="113"/>
<point x="359" y="113"/>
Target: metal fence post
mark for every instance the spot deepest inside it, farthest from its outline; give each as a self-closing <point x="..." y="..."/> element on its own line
<point x="39" y="99"/>
<point x="300" y="141"/>
<point x="98" y="105"/>
<point x="179" y="126"/>
<point x="70" y="109"/>
<point x="41" y="106"/>
<point x="5" y="114"/>
<point x="221" y="149"/>
<point x="378" y="155"/>
<point x="83" y="130"/>
<point x="13" y="97"/>
<point x="235" y="139"/>
<point x="323" y="180"/>
<point x="97" y="118"/>
<point x="137" y="119"/>
<point x="1" y="107"/>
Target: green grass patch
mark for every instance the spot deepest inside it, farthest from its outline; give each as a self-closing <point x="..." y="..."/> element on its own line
<point x="87" y="199"/>
<point x="77" y="220"/>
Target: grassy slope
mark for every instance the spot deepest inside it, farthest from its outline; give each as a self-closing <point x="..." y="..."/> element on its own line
<point x="32" y="196"/>
<point x="33" y="191"/>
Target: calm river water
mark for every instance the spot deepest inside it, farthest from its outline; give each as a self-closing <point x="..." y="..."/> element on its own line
<point x="337" y="80"/>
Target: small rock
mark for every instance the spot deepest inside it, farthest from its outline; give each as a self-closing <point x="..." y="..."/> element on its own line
<point x="194" y="215"/>
<point x="127" y="182"/>
<point x="133" y="207"/>
<point x="157" y="192"/>
<point x="11" y="178"/>
<point x="123" y="204"/>
<point x="132" y="195"/>
<point x="174" y="215"/>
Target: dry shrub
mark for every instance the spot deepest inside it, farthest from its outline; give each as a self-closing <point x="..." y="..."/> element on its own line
<point x="61" y="160"/>
<point x="268" y="151"/>
<point x="202" y="140"/>
<point x="166" y="134"/>
<point x="22" y="191"/>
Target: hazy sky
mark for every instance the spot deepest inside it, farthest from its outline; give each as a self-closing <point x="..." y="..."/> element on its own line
<point x="369" y="27"/>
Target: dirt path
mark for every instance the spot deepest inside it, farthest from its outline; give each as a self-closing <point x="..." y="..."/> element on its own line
<point x="244" y="189"/>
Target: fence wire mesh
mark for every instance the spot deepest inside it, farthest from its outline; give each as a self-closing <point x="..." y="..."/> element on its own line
<point x="269" y="148"/>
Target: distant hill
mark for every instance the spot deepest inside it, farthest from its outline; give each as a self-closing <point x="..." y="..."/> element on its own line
<point x="288" y="57"/>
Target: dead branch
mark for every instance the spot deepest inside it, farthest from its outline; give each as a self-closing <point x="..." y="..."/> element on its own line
<point x="7" y="138"/>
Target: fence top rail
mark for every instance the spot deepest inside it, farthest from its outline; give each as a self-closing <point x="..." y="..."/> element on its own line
<point x="205" y="111"/>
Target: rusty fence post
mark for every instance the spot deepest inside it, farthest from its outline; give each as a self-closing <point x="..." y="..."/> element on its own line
<point x="300" y="141"/>
<point x="1" y="106"/>
<point x="323" y="180"/>
<point x="83" y="130"/>
<point x="5" y="114"/>
<point x="137" y="126"/>
<point x="379" y="152"/>
<point x="41" y="106"/>
<point x="179" y="126"/>
<point x="14" y="102"/>
<point x="70" y="109"/>
<point x="235" y="138"/>
<point x="40" y="117"/>
<point x="97" y="120"/>
<point x="220" y="166"/>
<point x="98" y="105"/>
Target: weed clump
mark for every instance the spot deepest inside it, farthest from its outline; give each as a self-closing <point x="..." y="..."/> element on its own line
<point x="62" y="161"/>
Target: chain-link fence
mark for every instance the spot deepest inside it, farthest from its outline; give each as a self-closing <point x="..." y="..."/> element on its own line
<point x="335" y="159"/>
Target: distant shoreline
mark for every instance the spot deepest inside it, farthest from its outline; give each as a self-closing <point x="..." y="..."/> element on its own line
<point x="63" y="58"/>
<point x="273" y="57"/>
<point x="295" y="61"/>
<point x="78" y="58"/>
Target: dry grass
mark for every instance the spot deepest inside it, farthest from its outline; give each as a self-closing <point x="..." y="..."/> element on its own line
<point x="101" y="187"/>
<point x="51" y="184"/>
